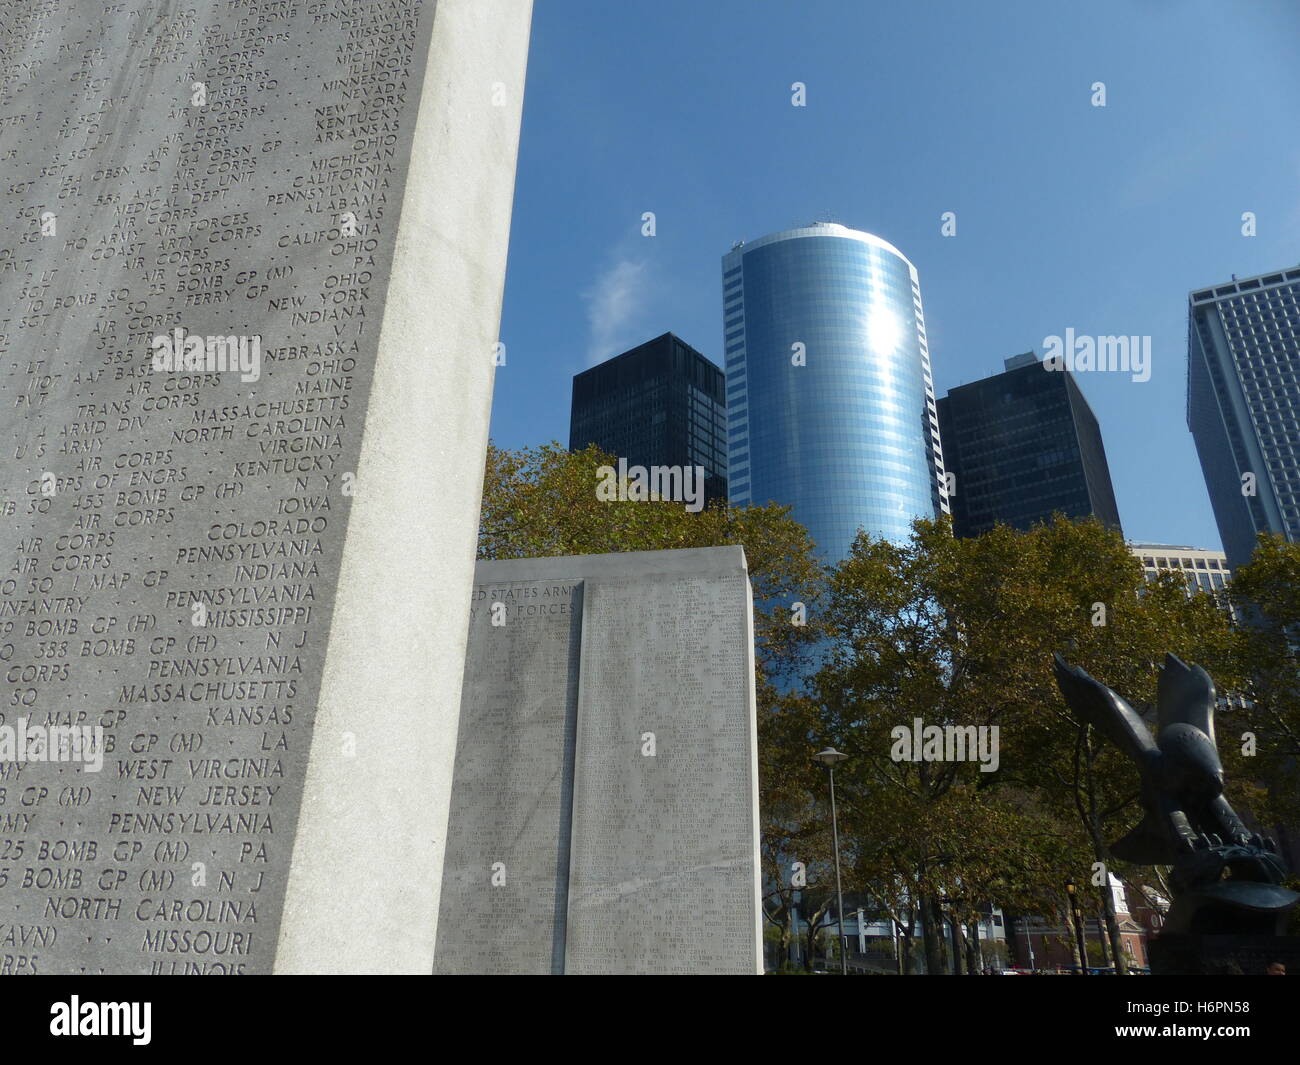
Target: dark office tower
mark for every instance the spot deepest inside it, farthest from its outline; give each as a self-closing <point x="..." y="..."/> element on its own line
<point x="1021" y="446"/>
<point x="1243" y="405"/>
<point x="660" y="404"/>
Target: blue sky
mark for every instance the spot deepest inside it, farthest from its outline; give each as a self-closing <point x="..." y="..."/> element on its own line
<point x="1099" y="219"/>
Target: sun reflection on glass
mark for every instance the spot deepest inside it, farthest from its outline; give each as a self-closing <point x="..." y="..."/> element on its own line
<point x="884" y="330"/>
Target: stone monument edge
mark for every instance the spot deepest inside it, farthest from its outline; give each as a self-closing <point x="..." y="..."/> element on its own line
<point x="366" y="873"/>
<point x="727" y="560"/>
<point x="751" y="698"/>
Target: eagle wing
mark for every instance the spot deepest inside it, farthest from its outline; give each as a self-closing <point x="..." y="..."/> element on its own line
<point x="1106" y="710"/>
<point x="1185" y="695"/>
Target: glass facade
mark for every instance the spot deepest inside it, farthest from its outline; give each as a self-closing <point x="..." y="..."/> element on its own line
<point x="1243" y="406"/>
<point x="659" y="404"/>
<point x="1021" y="446"/>
<point x="830" y="400"/>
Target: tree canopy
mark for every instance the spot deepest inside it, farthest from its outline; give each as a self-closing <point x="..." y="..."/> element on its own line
<point x="959" y="634"/>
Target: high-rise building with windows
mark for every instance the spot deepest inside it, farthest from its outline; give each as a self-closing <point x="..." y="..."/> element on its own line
<point x="1203" y="570"/>
<point x="1022" y="445"/>
<point x="660" y="404"/>
<point x="830" y="400"/>
<point x="1243" y="405"/>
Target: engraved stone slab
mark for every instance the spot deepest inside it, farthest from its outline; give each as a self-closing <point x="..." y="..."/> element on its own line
<point x="605" y="805"/>
<point x="245" y="330"/>
<point x="513" y="784"/>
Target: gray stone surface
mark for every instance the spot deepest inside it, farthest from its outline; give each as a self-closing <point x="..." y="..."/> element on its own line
<point x="275" y="784"/>
<point x="612" y="859"/>
<point x="512" y="790"/>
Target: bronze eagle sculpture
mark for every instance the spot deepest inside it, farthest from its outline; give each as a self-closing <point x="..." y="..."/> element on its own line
<point x="1225" y="877"/>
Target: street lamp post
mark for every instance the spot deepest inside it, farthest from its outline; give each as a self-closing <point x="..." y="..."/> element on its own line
<point x="830" y="757"/>
<point x="1078" y="927"/>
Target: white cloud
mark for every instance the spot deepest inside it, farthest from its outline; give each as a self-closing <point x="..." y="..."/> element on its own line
<point x="616" y="304"/>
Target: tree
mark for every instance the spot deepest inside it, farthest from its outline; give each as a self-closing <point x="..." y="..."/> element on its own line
<point x="1266" y="732"/>
<point x="792" y="801"/>
<point x="542" y="501"/>
<point x="960" y="634"/>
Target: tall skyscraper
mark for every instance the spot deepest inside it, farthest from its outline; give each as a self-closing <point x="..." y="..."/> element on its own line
<point x="659" y="404"/>
<point x="1243" y="405"/>
<point x="1022" y="445"/>
<point x="830" y="402"/>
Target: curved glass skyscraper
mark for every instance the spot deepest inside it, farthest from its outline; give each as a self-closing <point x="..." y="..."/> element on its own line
<point x="829" y="395"/>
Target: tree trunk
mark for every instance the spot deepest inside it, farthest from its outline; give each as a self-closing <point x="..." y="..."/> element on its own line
<point x="958" y="946"/>
<point x="1110" y="918"/>
<point x="814" y="928"/>
<point x="1100" y="853"/>
<point x="974" y="956"/>
<point x="1104" y="939"/>
<point x="905" y="945"/>
<point x="1116" y="937"/>
<point x="932" y="934"/>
